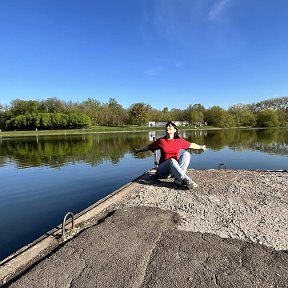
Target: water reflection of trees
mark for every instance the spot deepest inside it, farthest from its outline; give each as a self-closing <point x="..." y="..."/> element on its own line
<point x="273" y="141"/>
<point x="58" y="151"/>
<point x="98" y="148"/>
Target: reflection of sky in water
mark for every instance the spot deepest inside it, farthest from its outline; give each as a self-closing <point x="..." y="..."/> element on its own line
<point x="238" y="160"/>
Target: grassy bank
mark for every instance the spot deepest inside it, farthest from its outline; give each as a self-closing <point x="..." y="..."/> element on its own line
<point x="94" y="129"/>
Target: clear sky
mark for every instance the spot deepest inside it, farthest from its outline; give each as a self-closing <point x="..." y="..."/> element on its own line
<point x="166" y="53"/>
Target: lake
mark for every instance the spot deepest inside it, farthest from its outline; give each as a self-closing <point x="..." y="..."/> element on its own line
<point x="42" y="178"/>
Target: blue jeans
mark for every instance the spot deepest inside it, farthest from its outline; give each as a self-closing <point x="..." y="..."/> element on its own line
<point x="176" y="169"/>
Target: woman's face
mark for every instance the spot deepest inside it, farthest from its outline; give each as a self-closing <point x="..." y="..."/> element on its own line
<point x="170" y="129"/>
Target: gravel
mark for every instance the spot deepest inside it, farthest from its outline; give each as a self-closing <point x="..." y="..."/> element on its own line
<point x="240" y="204"/>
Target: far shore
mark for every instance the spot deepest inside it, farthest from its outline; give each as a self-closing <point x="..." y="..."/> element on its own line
<point x="97" y="129"/>
<point x="110" y="129"/>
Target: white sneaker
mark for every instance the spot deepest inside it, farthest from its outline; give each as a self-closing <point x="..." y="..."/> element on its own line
<point x="178" y="182"/>
<point x="186" y="182"/>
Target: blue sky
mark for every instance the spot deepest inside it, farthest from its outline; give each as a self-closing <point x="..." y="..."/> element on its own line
<point x="166" y="53"/>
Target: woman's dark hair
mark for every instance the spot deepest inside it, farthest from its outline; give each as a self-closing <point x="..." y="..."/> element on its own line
<point x="176" y="134"/>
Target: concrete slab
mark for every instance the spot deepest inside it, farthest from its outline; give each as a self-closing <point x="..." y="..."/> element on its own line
<point x="140" y="247"/>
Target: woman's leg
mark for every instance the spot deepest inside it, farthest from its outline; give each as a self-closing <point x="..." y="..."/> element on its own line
<point x="164" y="170"/>
<point x="178" y="170"/>
<point x="184" y="161"/>
<point x="172" y="166"/>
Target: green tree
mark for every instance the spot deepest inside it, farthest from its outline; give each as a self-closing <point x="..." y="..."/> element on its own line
<point x="157" y="115"/>
<point x="71" y="107"/>
<point x="49" y="121"/>
<point x="218" y="117"/>
<point x="78" y="120"/>
<point x="21" y="107"/>
<point x="195" y="114"/>
<point x="18" y="122"/>
<point x="33" y="120"/>
<point x="283" y="117"/>
<point x="267" y="118"/>
<point x="177" y="114"/>
<point x="242" y="116"/>
<point x="165" y="115"/>
<point x="52" y="105"/>
<point x="4" y="116"/>
<point x="280" y="103"/>
<point x="138" y="113"/>
<point x="92" y="108"/>
<point x="117" y="115"/>
<point x="46" y="121"/>
<point x="59" y="120"/>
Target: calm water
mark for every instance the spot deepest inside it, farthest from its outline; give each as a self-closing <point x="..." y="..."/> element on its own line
<point x="43" y="178"/>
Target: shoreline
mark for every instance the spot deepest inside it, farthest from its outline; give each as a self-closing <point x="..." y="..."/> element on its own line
<point x="41" y="133"/>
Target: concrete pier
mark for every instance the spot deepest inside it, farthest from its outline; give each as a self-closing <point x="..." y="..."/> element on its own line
<point x="231" y="231"/>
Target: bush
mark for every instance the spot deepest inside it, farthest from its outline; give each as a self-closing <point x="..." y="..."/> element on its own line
<point x="31" y="121"/>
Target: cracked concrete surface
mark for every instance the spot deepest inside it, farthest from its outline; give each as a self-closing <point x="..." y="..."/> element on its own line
<point x="114" y="253"/>
<point x="206" y="260"/>
<point x="231" y="231"/>
<point x="141" y="247"/>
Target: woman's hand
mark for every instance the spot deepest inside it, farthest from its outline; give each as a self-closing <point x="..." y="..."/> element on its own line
<point x="197" y="147"/>
<point x="143" y="149"/>
<point x="136" y="150"/>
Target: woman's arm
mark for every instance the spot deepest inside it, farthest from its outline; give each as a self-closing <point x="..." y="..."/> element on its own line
<point x="196" y="146"/>
<point x="142" y="149"/>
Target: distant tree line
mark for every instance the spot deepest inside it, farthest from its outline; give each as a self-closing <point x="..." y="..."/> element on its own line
<point x="54" y="113"/>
